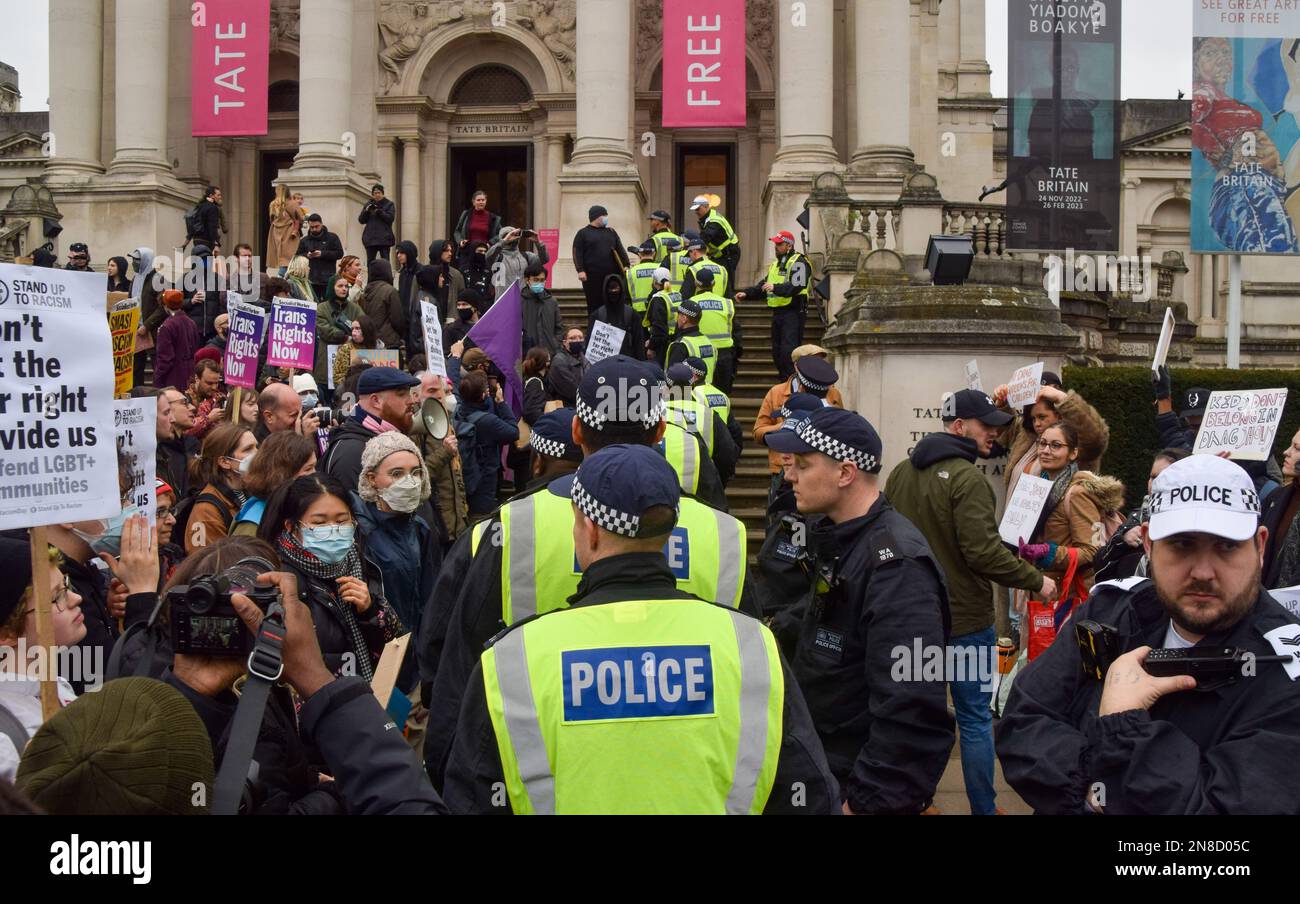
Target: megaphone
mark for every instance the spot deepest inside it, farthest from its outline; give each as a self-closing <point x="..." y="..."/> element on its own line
<point x="432" y="420"/>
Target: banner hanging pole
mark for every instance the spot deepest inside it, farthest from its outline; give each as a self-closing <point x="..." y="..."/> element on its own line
<point x="1234" y="312"/>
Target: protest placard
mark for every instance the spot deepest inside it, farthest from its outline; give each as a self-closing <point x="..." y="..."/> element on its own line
<point x="1166" y="337"/>
<point x="123" y="322"/>
<point x="384" y="682"/>
<point x="243" y="341"/>
<point x="1023" y="509"/>
<point x="331" y="352"/>
<point x="1241" y="423"/>
<point x="136" y="422"/>
<point x="1289" y="597"/>
<point x="437" y="361"/>
<point x="973" y="376"/>
<point x="606" y="340"/>
<point x="293" y="334"/>
<point x="379" y="357"/>
<point x="1023" y="387"/>
<point x="57" y="457"/>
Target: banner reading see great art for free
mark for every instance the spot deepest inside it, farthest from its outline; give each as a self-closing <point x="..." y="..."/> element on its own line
<point x="1245" y="134"/>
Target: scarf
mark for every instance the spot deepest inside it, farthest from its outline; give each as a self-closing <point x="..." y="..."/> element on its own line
<point x="1060" y="486"/>
<point x="293" y="551"/>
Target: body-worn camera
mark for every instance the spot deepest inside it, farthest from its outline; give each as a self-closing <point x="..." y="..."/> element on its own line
<point x="203" y="619"/>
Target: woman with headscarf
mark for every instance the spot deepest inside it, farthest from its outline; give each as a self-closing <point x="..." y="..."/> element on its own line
<point x="618" y="313"/>
<point x="117" y="281"/>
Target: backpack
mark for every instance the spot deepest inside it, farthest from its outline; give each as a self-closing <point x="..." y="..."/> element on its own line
<point x="475" y="461"/>
<point x="193" y="223"/>
<point x="185" y="508"/>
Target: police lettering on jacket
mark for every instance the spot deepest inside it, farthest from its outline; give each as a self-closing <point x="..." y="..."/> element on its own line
<point x="637" y="682"/>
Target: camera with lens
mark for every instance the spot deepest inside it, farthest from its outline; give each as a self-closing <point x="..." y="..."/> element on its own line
<point x="327" y="416"/>
<point x="203" y="618"/>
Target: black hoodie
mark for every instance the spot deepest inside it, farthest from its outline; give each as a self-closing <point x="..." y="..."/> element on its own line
<point x="406" y="275"/>
<point x="618" y="313"/>
<point x="935" y="447"/>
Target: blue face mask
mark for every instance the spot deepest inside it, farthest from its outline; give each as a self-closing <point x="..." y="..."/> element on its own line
<point x="538" y="288"/>
<point x="110" y="540"/>
<point x="329" y="542"/>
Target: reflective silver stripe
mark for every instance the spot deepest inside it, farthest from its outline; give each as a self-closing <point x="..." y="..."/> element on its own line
<point x="690" y="462"/>
<point x="731" y="551"/>
<point x="755" y="688"/>
<point x="521" y="722"/>
<point x="522" y="580"/>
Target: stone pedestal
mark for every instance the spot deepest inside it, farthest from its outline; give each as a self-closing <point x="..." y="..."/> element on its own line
<point x="899" y="347"/>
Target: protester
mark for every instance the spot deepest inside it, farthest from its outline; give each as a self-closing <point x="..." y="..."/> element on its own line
<point x="1123" y="556"/>
<point x="334" y="318"/>
<point x="476" y="226"/>
<point x="310" y="524"/>
<point x="285" y="229"/>
<point x="484" y="423"/>
<point x="1282" y="551"/>
<point x="381" y="301"/>
<point x="226" y="456"/>
<point x="568" y="364"/>
<point x="542" y="320"/>
<point x="323" y="249"/>
<point x="469" y="307"/>
<point x="442" y="462"/>
<point x="176" y="448"/>
<point x="205" y="397"/>
<point x="476" y="272"/>
<point x="298" y="273"/>
<point x="221" y="336"/>
<point x="616" y="311"/>
<point x="176" y="345"/>
<point x="1141" y="743"/>
<point x="279" y="408"/>
<point x="1054" y="406"/>
<point x="939" y="489"/>
<point x="281" y="457"/>
<point x="170" y="554"/>
<point x="377" y="215"/>
<point x="20" y="694"/>
<point x="247" y="414"/>
<point x="441" y="283"/>
<point x="117" y="281"/>
<point x="515" y="252"/>
<point x="389" y="505"/>
<point x="78" y="257"/>
<point x="597" y="254"/>
<point x="208" y="217"/>
<point x="362" y="336"/>
<point x="384" y="402"/>
<point x="407" y="268"/>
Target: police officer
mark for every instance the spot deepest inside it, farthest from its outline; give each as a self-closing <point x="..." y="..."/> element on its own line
<point x="661" y="231"/>
<point x="697" y="262"/>
<point x="786" y="292"/>
<point x="1133" y="742"/>
<point x="719" y="238"/>
<point x="640" y="279"/>
<point x="688" y="341"/>
<point x="591" y="709"/>
<point x="719" y="325"/>
<point x="713" y="398"/>
<point x="520" y="559"/>
<point x="693" y="416"/>
<point x="878" y="588"/>
<point x="661" y="316"/>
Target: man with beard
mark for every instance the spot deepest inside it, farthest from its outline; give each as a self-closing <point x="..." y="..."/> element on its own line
<point x="384" y="402"/>
<point x="1137" y="742"/>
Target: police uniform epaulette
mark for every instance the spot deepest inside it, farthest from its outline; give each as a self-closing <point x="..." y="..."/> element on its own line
<point x="885" y="548"/>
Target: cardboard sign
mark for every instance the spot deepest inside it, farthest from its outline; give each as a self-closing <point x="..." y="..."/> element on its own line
<point x="1166" y="337"/>
<point x="57" y="457"/>
<point x="331" y="352"/>
<point x="1241" y="423"/>
<point x="384" y="682"/>
<point x="379" y="357"/>
<point x="1023" y="509"/>
<point x="437" y="361"/>
<point x="605" y="341"/>
<point x="123" y="322"/>
<point x="244" y="341"/>
<point x="293" y="334"/>
<point x="1024" y="385"/>
<point x="136" y="421"/>
<point x="973" y="376"/>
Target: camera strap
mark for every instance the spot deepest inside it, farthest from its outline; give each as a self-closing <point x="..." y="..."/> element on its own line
<point x="265" y="666"/>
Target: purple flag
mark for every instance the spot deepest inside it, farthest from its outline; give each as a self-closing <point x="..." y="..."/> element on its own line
<point x="500" y="333"/>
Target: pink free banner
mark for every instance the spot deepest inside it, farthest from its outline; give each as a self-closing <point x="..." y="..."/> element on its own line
<point x="704" y="64"/>
<point x="229" y="60"/>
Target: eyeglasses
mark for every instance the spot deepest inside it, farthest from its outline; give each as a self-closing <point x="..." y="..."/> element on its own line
<point x="164" y="513"/>
<point x="1055" y="447"/>
<point x="61" y="598"/>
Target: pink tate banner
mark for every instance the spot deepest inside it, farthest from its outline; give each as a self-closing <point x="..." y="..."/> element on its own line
<point x="704" y="63"/>
<point x="229" y="60"/>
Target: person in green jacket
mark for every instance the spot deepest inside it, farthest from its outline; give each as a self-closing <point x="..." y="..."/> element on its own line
<point x="333" y="327"/>
<point x="950" y="500"/>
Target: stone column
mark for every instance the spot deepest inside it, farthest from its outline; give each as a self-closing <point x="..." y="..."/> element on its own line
<point x="440" y="216"/>
<point x="409" y="210"/>
<point x="324" y="83"/>
<point x="884" y="73"/>
<point x="140" y="110"/>
<point x="1129" y="217"/>
<point x="76" y="46"/>
<point x="973" y="70"/>
<point x="554" y="161"/>
<point x="541" y="187"/>
<point x="806" y="91"/>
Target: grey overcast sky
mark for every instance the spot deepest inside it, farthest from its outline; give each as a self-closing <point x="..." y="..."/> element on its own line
<point x="1157" y="56"/>
<point x="1157" y="53"/>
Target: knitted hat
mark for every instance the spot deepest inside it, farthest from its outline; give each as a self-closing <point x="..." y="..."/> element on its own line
<point x="379" y="448"/>
<point x="16" y="566"/>
<point x="134" y="748"/>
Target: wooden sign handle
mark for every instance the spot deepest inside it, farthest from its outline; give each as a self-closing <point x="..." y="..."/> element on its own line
<point x="41" y="566"/>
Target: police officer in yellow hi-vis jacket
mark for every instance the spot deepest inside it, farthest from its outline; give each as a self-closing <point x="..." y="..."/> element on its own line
<point x="638" y="697"/>
<point x="520" y="561"/>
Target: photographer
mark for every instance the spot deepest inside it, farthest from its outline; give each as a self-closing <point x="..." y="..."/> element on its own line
<point x="377" y="216"/>
<point x="514" y="252"/>
<point x="1148" y="741"/>
<point x="310" y="524"/>
<point x="279" y="409"/>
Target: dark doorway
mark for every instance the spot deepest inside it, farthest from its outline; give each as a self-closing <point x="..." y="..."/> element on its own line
<point x="501" y="170"/>
<point x="704" y="169"/>
<point x="269" y="165"/>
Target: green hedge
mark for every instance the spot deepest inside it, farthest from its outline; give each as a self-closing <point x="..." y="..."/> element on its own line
<point x="1123" y="396"/>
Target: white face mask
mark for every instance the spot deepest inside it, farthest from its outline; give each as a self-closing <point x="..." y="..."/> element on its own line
<point x="403" y="495"/>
